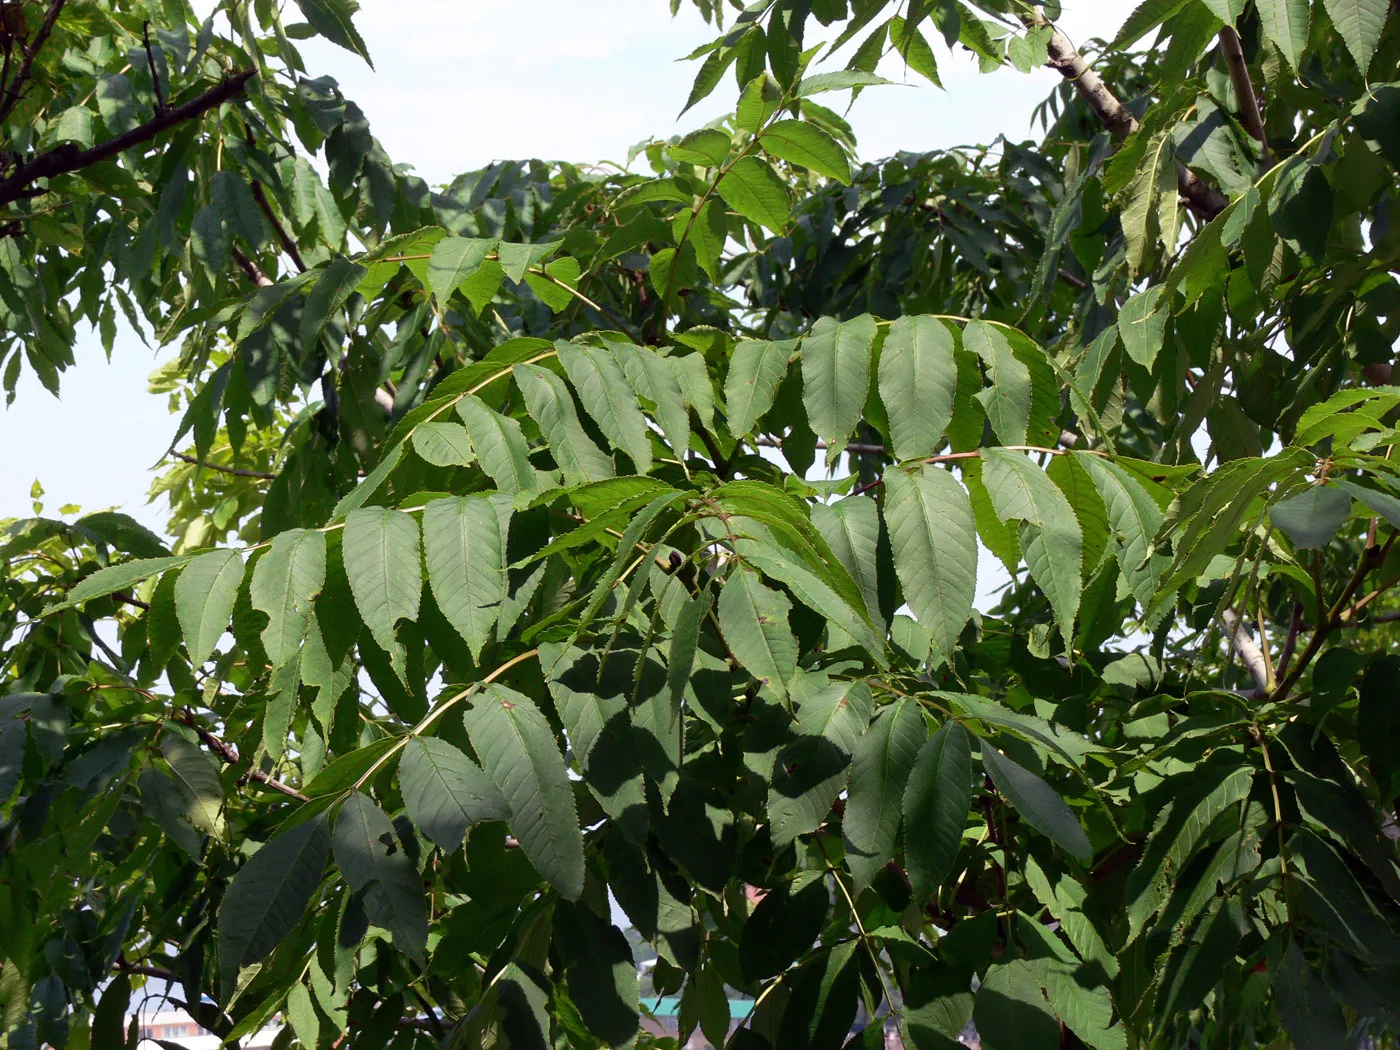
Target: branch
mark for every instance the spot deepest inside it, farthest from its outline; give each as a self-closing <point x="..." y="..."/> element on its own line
<point x="264" y="475"/>
<point x="68" y="158"/>
<point x="229" y="754"/>
<point x="12" y="91"/>
<point x="1205" y="200"/>
<point x="288" y="245"/>
<point x="250" y="269"/>
<point x="151" y="62"/>
<point x="1250" y="116"/>
<point x="1248" y="650"/>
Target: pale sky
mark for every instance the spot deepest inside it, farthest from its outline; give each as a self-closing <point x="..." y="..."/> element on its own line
<point x="457" y="84"/>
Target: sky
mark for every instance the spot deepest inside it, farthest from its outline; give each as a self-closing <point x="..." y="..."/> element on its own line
<point x="455" y="85"/>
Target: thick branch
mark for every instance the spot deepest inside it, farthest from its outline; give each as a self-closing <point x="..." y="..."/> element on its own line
<point x="262" y="474"/>
<point x="251" y="269"/>
<point x="1205" y="200"/>
<point x="31" y="51"/>
<point x="69" y="158"/>
<point x="1250" y="116"/>
<point x="1247" y="649"/>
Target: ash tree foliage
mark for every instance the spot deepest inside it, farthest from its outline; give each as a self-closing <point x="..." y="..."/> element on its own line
<point x="571" y="564"/>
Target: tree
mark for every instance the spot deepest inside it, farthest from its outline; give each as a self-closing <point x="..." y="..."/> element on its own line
<point x="507" y="597"/>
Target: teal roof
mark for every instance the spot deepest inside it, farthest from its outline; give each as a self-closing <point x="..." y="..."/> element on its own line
<point x="670" y="1006"/>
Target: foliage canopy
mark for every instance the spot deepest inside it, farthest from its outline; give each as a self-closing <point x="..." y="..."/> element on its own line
<point x="509" y="601"/>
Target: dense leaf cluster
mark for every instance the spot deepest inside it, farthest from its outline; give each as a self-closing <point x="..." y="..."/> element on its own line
<point x="577" y="570"/>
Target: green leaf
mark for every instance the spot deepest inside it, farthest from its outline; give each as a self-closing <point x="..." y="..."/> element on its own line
<point x="784" y="926"/>
<point x="657" y="379"/>
<point x="368" y="851"/>
<point x="1142" y="322"/>
<point x="445" y="791"/>
<point x="707" y="147"/>
<point x="1377" y="502"/>
<point x="1051" y="537"/>
<point x="443" y="444"/>
<point x="286" y="581"/>
<point x="383" y="564"/>
<point x="1314" y="517"/>
<point x="1134" y="518"/>
<point x="810" y="770"/>
<point x="327" y="296"/>
<point x="803" y="143"/>
<point x="464" y="541"/>
<point x="1007" y="397"/>
<point x="851" y="528"/>
<point x="205" y="592"/>
<point x="1310" y="1015"/>
<point x="1285" y="22"/>
<point x="197" y="773"/>
<point x="1037" y="803"/>
<point x="880" y="770"/>
<point x="500" y="445"/>
<point x="555" y="287"/>
<point x="754" y="621"/>
<point x="1153" y="178"/>
<point x="208" y="246"/>
<point x="1198" y="799"/>
<point x="840" y="80"/>
<point x="236" y="204"/>
<point x="116" y="104"/>
<point x="268" y="896"/>
<point x="934" y="539"/>
<point x="519" y="753"/>
<point x="1360" y="22"/>
<point x="609" y="399"/>
<point x="454" y="261"/>
<point x="163" y="802"/>
<point x="936" y="803"/>
<point x="836" y="377"/>
<point x="600" y="972"/>
<point x="917" y="380"/>
<point x="116" y="578"/>
<point x="755" y="370"/>
<point x="332" y="20"/>
<point x="755" y="191"/>
<point x="552" y="407"/>
<point x="1011" y="1012"/>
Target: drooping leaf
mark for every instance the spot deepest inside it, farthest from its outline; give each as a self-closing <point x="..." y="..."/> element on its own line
<point x="1007" y="397"/>
<point x="1011" y="1012"/>
<point x="285" y="583"/>
<point x="917" y="380"/>
<point x="266" y="898"/>
<point x="1361" y="23"/>
<point x="934" y="539"/>
<point x="205" y="592"/>
<point x="519" y="753"/>
<point x="445" y="791"/>
<point x="464" y="543"/>
<point x="332" y="20"/>
<point x="880" y="770"/>
<point x="936" y="803"/>
<point x="367" y="850"/>
<point x="500" y="445"/>
<point x="1051" y="536"/>
<point x="836" y="377"/>
<point x="810" y="770"/>
<point x="552" y="408"/>
<point x="608" y="397"/>
<point x="754" y="619"/>
<point x="1037" y="803"/>
<point x="384" y="566"/>
<point x="1314" y="516"/>
<point x="1285" y="22"/>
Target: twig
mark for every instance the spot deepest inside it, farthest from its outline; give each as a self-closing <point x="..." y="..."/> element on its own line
<point x="262" y="474"/>
<point x="122" y="966"/>
<point x="1250" y="116"/>
<point x="151" y="62"/>
<point x="251" y="269"/>
<point x="1370" y="557"/>
<point x="68" y="158"/>
<point x="1295" y="624"/>
<point x="229" y="754"/>
<point x="124" y="597"/>
<point x="31" y="51"/>
<point x="1205" y="200"/>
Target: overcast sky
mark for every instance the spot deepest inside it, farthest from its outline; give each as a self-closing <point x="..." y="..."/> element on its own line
<point x="457" y="84"/>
